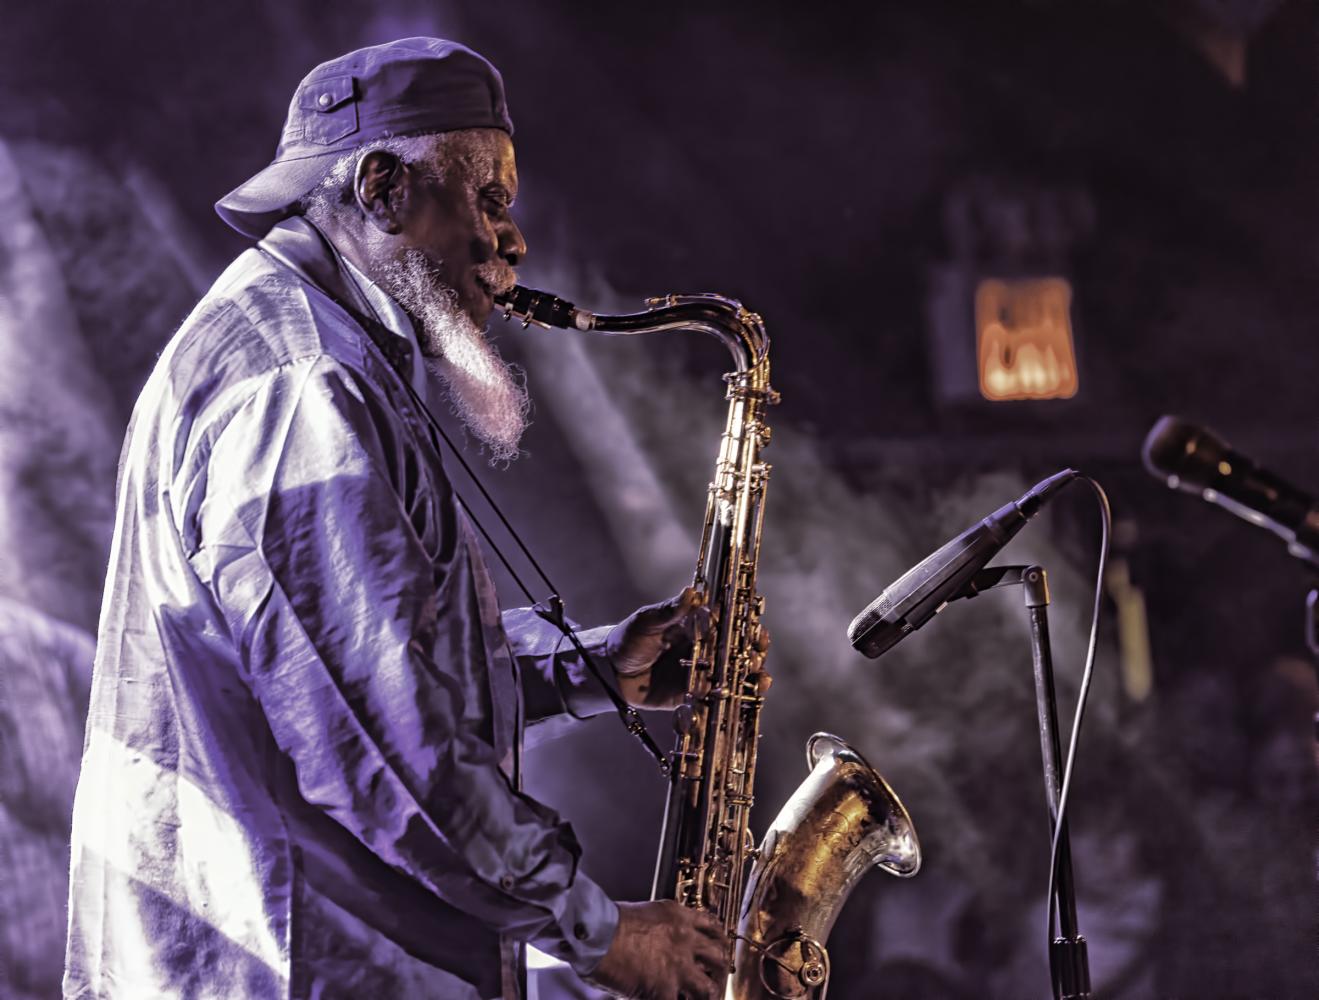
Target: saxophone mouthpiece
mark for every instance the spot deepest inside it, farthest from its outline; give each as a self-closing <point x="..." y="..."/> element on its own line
<point x="543" y="309"/>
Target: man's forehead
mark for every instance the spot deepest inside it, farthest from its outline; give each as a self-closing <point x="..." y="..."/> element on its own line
<point x="485" y="156"/>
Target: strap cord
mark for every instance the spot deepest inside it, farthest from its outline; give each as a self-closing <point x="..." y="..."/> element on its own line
<point x="551" y="609"/>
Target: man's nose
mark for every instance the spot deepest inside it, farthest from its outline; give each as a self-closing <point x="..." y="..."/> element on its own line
<point x="512" y="244"/>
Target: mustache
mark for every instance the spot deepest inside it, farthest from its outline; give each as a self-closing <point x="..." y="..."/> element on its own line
<point x="498" y="275"/>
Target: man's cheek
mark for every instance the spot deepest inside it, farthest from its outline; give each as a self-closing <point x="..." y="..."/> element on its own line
<point x="484" y="247"/>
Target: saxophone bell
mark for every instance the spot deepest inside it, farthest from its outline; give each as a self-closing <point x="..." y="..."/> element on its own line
<point x="843" y="820"/>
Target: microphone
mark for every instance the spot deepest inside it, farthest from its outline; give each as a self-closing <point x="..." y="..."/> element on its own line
<point x="1196" y="460"/>
<point x="921" y="593"/>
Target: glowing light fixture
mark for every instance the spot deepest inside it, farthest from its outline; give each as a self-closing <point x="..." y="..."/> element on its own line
<point x="1024" y="339"/>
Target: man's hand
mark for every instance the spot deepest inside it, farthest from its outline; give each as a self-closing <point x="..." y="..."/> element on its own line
<point x="647" y="648"/>
<point x="664" y="950"/>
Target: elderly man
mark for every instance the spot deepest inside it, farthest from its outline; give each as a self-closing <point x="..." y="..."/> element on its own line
<point x="299" y="773"/>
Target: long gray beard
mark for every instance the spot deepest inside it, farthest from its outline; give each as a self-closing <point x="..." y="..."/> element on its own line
<point x="488" y="393"/>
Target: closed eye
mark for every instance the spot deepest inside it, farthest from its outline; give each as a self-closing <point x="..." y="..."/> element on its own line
<point x="499" y="197"/>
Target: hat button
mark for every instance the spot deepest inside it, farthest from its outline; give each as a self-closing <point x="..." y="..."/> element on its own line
<point x="324" y="100"/>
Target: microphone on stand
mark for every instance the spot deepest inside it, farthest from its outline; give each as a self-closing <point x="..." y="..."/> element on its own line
<point x="1196" y="460"/>
<point x="921" y="593"/>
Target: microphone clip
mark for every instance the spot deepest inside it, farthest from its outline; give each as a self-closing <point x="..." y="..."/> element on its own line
<point x="1033" y="578"/>
<point x="989" y="578"/>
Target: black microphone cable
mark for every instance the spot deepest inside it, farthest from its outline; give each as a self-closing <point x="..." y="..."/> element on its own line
<point x="1083" y="694"/>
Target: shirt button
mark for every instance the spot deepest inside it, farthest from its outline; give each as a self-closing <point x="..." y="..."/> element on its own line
<point x="580" y="932"/>
<point x="324" y="100"/>
<point x="507" y="882"/>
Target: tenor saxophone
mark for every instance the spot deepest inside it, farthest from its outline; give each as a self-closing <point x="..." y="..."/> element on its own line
<point x="777" y="901"/>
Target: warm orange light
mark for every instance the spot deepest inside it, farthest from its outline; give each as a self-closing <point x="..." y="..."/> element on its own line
<point x="1024" y="339"/>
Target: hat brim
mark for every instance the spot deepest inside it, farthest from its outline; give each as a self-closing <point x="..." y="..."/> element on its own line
<point x="271" y="195"/>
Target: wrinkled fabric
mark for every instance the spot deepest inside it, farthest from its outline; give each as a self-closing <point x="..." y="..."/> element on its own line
<point x="304" y="690"/>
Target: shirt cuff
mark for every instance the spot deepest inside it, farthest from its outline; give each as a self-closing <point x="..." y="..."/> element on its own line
<point x="586" y="695"/>
<point x="584" y="928"/>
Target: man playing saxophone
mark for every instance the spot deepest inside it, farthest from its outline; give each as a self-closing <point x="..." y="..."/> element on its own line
<point x="299" y="776"/>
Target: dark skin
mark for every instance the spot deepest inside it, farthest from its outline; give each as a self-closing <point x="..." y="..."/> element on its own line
<point x="460" y="224"/>
<point x="661" y="950"/>
<point x="645" y="650"/>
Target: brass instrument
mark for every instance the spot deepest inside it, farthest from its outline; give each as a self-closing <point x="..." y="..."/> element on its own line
<point x="779" y="901"/>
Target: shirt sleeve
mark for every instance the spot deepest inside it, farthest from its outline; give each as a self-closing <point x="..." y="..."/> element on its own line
<point x="305" y="542"/>
<point x="557" y="685"/>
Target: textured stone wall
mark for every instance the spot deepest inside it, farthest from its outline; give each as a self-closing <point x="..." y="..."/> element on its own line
<point x="45" y="672"/>
<point x="88" y="293"/>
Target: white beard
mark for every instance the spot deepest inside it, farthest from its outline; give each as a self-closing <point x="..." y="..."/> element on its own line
<point x="488" y="393"/>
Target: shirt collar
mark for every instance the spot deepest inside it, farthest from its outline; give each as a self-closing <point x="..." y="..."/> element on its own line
<point x="395" y="320"/>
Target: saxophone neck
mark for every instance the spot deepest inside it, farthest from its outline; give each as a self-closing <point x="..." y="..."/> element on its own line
<point x="741" y="331"/>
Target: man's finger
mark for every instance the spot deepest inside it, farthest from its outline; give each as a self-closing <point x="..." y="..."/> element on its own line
<point x="702" y="619"/>
<point x="709" y="925"/>
<point x="658" y="617"/>
<point x="694" y="983"/>
<point x="712" y="956"/>
<point x="687" y="601"/>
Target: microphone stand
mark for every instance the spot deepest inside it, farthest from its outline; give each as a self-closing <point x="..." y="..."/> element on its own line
<point x="1069" y="961"/>
<point x="1312" y="637"/>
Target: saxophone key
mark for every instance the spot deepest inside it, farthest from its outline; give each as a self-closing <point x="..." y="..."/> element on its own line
<point x="682" y="719"/>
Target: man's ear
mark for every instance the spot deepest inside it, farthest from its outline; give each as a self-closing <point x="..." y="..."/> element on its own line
<point x="380" y="188"/>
